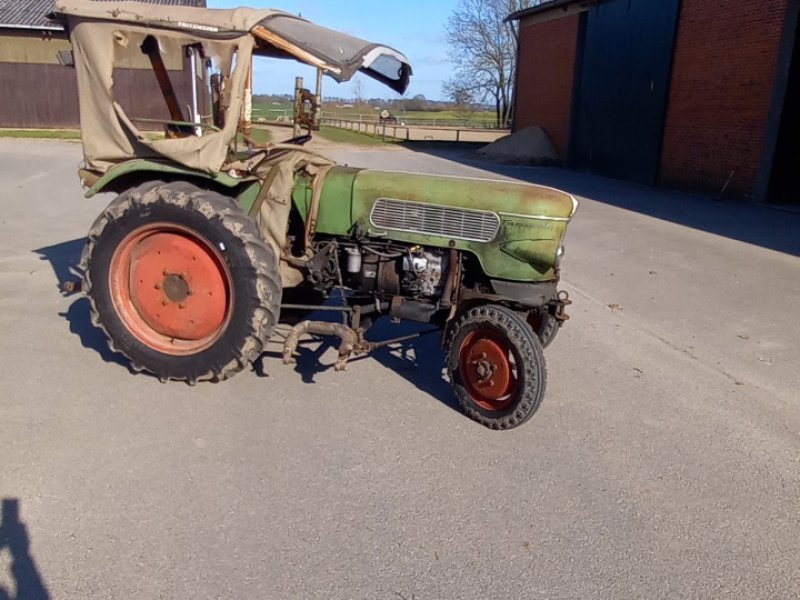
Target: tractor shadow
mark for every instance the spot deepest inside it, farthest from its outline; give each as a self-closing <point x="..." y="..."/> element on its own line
<point x="419" y="361"/>
<point x="64" y="259"/>
<point x="14" y="538"/>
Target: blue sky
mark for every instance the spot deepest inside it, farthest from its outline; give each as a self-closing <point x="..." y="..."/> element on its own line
<point x="415" y="27"/>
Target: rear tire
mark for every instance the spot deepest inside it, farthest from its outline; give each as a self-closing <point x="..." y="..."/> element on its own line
<point x="182" y="282"/>
<point x="496" y="367"/>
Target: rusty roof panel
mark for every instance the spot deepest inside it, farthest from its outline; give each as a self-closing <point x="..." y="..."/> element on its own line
<point x="32" y="14"/>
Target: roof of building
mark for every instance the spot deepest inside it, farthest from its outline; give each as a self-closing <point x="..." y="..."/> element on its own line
<point x="32" y="14"/>
<point x="544" y="6"/>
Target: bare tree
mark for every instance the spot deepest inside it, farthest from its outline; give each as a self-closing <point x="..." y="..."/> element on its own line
<point x="358" y="91"/>
<point x="462" y="100"/>
<point x="483" y="46"/>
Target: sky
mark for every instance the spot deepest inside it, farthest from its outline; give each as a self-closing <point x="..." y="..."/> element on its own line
<point x="414" y="27"/>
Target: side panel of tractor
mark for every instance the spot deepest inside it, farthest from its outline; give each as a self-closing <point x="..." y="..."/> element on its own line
<point x="514" y="230"/>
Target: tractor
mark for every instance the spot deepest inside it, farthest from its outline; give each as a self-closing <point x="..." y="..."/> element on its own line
<point x="212" y="235"/>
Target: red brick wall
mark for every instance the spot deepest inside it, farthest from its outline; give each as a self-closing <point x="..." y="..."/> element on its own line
<point x="546" y="76"/>
<point x="724" y="69"/>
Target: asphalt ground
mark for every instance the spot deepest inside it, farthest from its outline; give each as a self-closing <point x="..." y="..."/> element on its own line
<point x="663" y="463"/>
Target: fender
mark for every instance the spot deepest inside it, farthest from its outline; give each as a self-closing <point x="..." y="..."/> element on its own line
<point x="133" y="168"/>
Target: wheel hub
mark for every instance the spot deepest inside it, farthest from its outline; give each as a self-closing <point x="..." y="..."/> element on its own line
<point x="487" y="373"/>
<point x="171" y="288"/>
<point x="176" y="288"/>
<point x="484" y="369"/>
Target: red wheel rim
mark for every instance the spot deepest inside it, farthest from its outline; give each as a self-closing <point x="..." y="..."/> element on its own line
<point x="487" y="371"/>
<point x="171" y="289"/>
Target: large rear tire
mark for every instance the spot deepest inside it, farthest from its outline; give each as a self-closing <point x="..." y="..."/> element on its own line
<point x="496" y="366"/>
<point x="182" y="282"/>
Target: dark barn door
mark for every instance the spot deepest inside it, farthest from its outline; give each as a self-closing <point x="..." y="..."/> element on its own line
<point x="623" y="88"/>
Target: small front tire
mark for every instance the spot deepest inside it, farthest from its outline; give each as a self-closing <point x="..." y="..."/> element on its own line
<point x="545" y="325"/>
<point x="496" y="367"/>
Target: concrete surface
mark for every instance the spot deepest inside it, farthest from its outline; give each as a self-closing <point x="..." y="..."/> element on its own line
<point x="664" y="462"/>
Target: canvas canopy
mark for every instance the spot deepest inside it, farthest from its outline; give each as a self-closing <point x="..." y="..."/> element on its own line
<point x="105" y="35"/>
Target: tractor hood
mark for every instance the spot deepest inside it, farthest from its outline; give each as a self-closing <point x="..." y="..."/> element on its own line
<point x="132" y="36"/>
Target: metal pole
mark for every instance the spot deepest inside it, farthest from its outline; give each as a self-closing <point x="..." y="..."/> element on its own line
<point x="318" y="100"/>
<point x="246" y="118"/>
<point x="195" y="110"/>
<point x="298" y="85"/>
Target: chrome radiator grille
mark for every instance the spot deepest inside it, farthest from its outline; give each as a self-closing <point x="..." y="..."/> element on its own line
<point x="431" y="219"/>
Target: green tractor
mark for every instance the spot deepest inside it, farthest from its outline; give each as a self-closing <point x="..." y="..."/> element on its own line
<point x="211" y="236"/>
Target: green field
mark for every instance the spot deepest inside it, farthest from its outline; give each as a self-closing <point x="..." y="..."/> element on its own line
<point x="259" y="136"/>
<point x="483" y="119"/>
<point x="342" y="136"/>
<point x="41" y="134"/>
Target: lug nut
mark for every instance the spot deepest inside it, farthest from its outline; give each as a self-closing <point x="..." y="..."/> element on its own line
<point x="182" y="305"/>
<point x="158" y="286"/>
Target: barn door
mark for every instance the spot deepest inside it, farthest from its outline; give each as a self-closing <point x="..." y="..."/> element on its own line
<point x="623" y="88"/>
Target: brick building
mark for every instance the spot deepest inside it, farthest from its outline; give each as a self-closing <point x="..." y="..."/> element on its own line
<point x="702" y="95"/>
<point x="38" y="87"/>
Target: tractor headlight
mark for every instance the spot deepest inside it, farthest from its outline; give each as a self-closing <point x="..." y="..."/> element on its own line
<point x="560" y="255"/>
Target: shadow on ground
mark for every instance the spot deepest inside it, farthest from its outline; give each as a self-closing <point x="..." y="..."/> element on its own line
<point x="14" y="538"/>
<point x="772" y="227"/>
<point x="420" y="361"/>
<point x="64" y="258"/>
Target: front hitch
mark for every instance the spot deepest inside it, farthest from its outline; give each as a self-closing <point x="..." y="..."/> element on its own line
<point x="560" y="305"/>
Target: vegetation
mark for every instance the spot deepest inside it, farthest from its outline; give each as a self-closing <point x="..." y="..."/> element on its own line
<point x="41" y="134"/>
<point x="483" y="46"/>
<point x="258" y="135"/>
<point x="343" y="136"/>
<point x="273" y="108"/>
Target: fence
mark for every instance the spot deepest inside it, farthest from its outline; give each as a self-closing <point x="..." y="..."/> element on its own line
<point x="417" y="133"/>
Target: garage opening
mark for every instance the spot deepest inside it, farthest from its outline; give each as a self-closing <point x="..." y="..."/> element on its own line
<point x="623" y="88"/>
<point x="784" y="183"/>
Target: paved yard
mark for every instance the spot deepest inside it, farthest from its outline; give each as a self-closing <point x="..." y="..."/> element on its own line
<point x="664" y="462"/>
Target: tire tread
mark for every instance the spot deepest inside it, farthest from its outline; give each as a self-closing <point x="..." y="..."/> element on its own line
<point x="212" y="205"/>
<point x="527" y="343"/>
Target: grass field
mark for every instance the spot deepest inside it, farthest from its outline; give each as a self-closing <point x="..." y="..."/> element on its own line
<point x="259" y="136"/>
<point x="483" y="119"/>
<point x="342" y="136"/>
<point x="41" y="134"/>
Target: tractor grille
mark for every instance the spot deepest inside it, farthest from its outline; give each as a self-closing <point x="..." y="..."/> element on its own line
<point x="431" y="219"/>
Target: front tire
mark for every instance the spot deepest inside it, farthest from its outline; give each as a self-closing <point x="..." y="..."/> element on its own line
<point x="545" y="325"/>
<point x="496" y="367"/>
<point x="182" y="282"/>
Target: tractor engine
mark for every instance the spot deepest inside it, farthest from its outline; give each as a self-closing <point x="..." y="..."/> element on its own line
<point x="415" y="272"/>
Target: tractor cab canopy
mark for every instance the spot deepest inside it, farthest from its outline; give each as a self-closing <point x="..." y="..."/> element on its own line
<point x="120" y="45"/>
